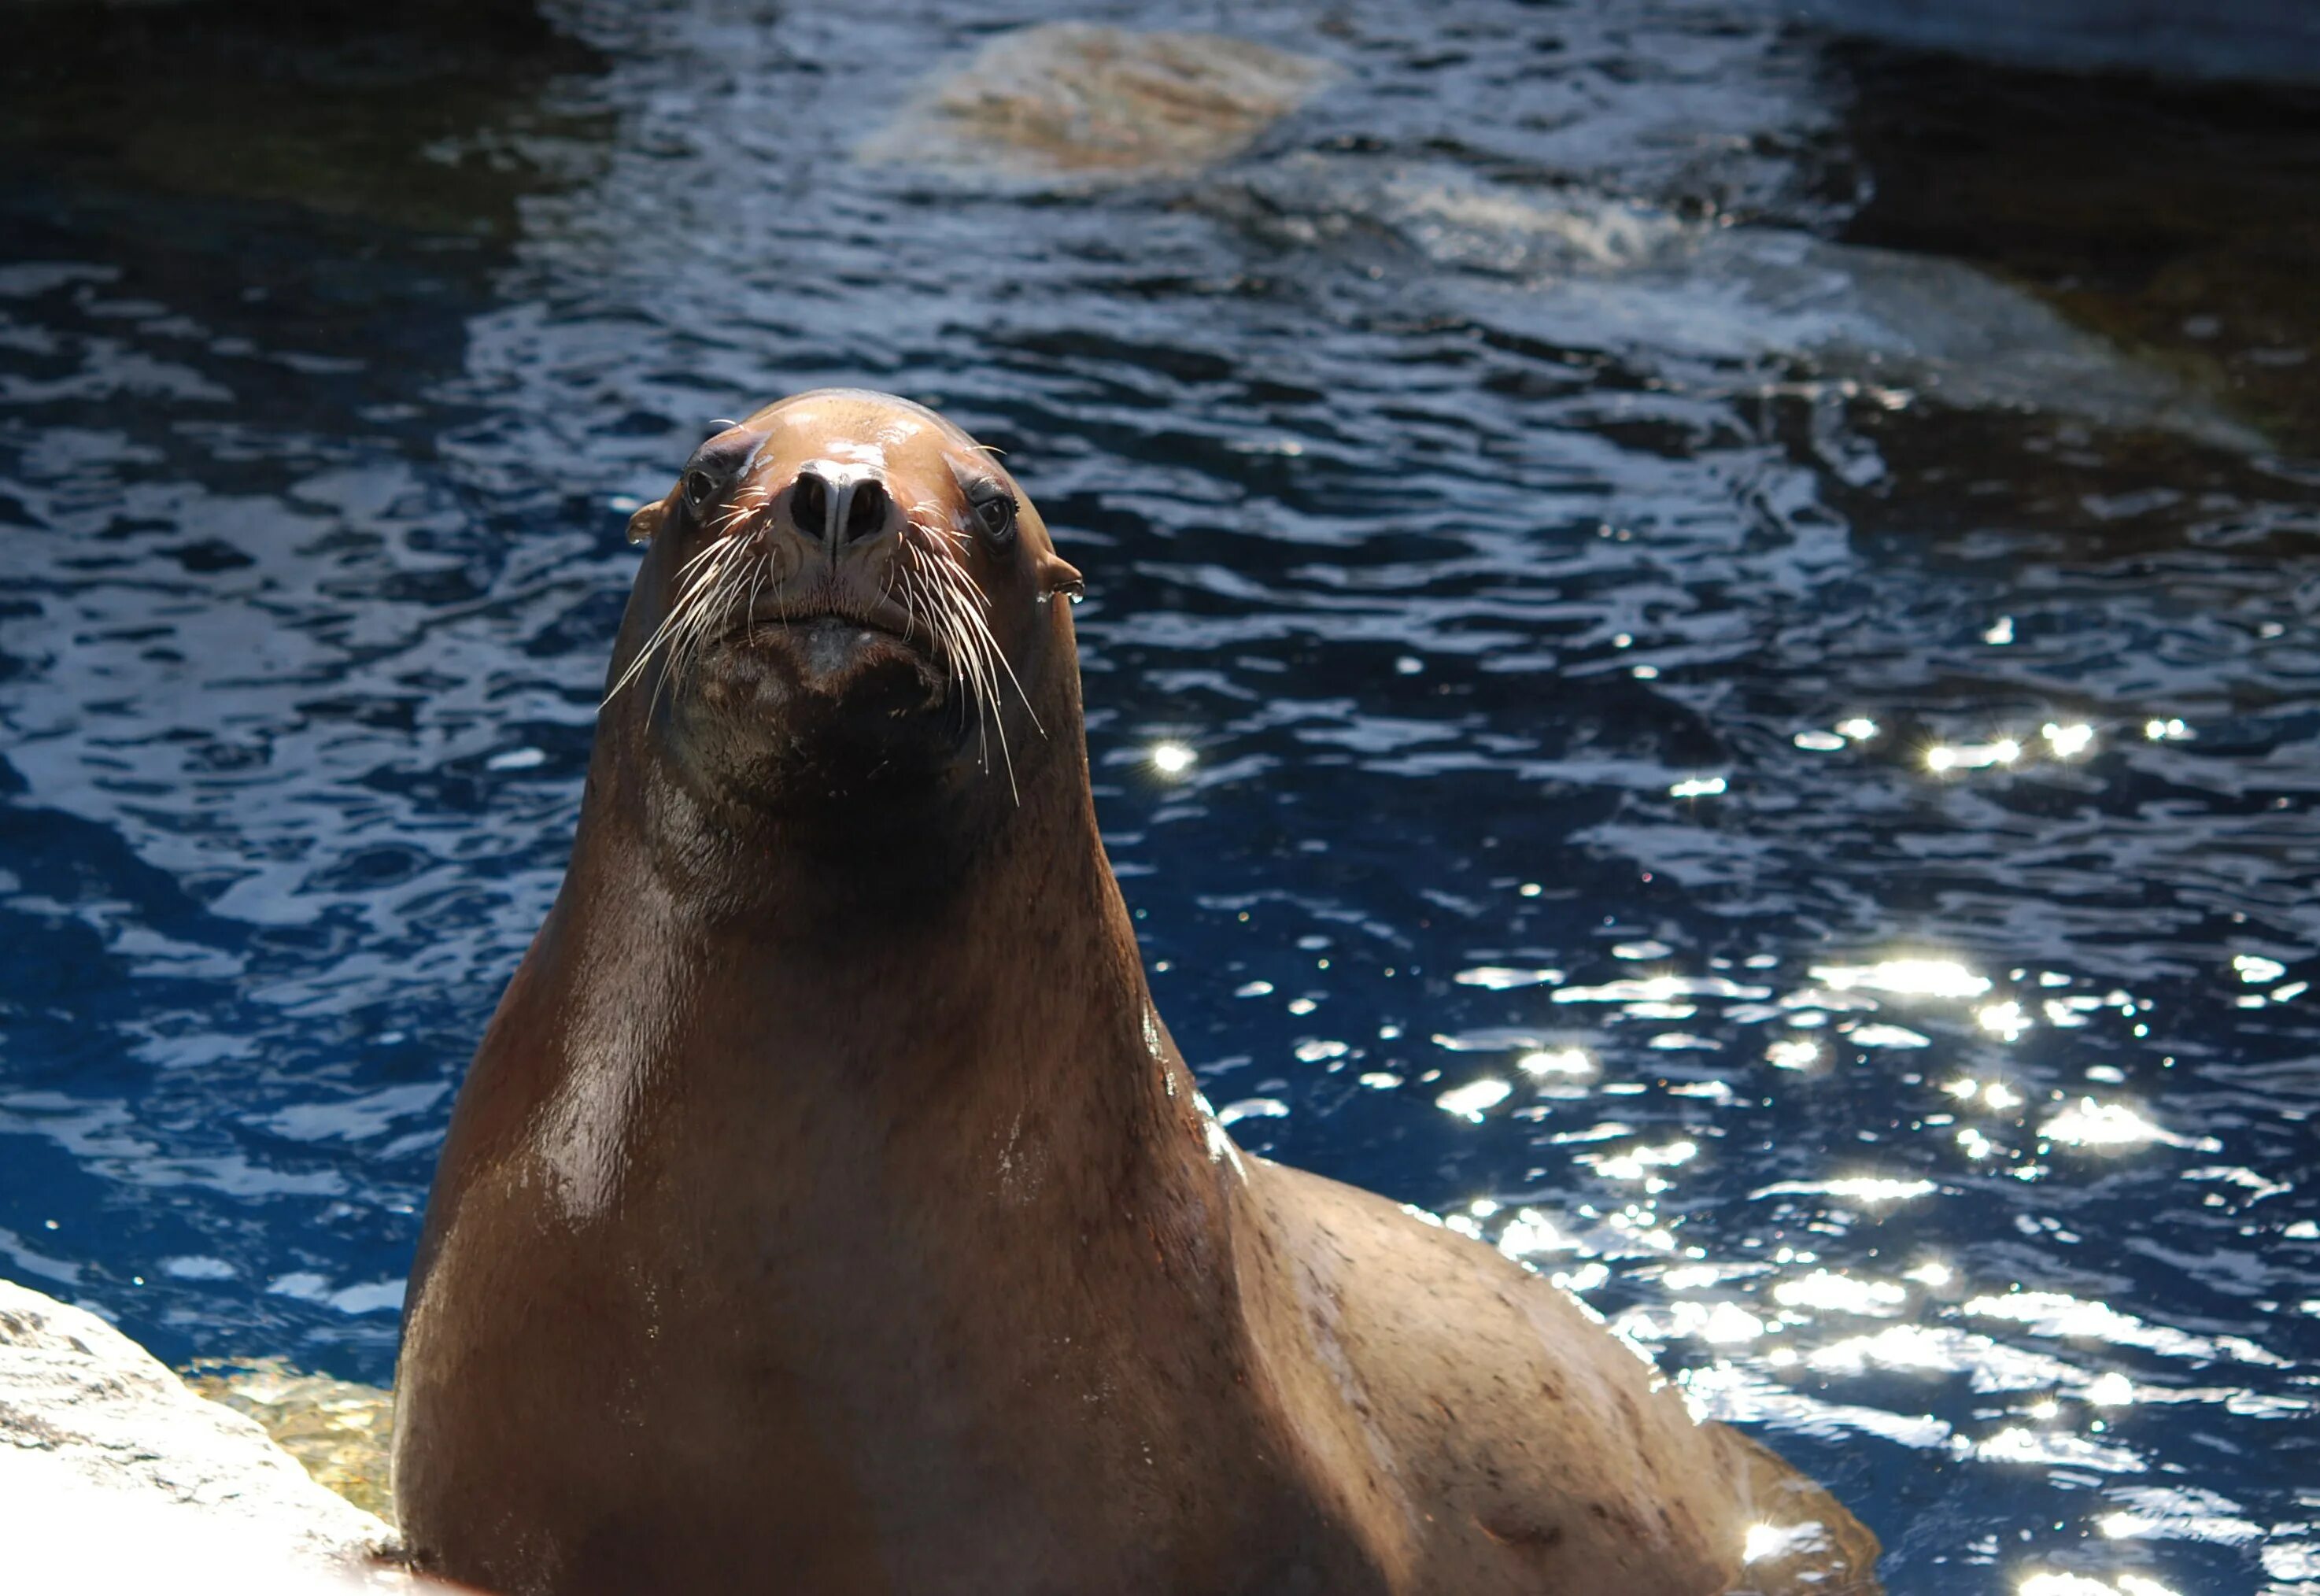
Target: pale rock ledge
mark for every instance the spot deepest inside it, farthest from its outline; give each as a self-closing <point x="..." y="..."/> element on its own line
<point x="115" y="1477"/>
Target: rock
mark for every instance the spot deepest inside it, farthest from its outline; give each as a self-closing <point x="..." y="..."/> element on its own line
<point x="1098" y="104"/>
<point x="115" y="1476"/>
<point x="341" y="1432"/>
<point x="1708" y="302"/>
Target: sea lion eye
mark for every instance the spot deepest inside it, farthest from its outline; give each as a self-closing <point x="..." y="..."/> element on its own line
<point x="994" y="512"/>
<point x="716" y="467"/>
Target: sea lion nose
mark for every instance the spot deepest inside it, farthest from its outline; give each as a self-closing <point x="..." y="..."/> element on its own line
<point x="841" y="512"/>
<point x="809" y="505"/>
<point x="864" y="514"/>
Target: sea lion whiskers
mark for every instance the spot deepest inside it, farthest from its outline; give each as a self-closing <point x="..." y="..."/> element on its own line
<point x="953" y="644"/>
<point x="919" y="604"/>
<point x="931" y="567"/>
<point x="717" y="583"/>
<point x="971" y="602"/>
<point x="978" y="604"/>
<point x="661" y="633"/>
<point x="756" y="586"/>
<point x="685" y="615"/>
<point x="960" y="601"/>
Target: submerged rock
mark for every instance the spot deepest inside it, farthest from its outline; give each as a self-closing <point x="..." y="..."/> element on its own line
<point x="1098" y="104"/>
<point x="1589" y="270"/>
<point x="1685" y="297"/>
<point x="341" y="1432"/>
<point x="114" y="1475"/>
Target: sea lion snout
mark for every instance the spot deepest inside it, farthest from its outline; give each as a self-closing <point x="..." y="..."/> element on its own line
<point x="835" y="504"/>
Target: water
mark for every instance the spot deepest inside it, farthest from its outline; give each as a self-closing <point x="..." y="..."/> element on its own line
<point x="1550" y="506"/>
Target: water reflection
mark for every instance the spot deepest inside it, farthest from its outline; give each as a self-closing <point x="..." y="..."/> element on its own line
<point x="1778" y="1330"/>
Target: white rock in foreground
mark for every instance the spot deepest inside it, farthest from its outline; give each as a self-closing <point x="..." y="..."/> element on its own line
<point x="113" y="1476"/>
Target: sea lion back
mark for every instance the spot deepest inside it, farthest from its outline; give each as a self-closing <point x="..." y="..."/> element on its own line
<point x="1523" y="1447"/>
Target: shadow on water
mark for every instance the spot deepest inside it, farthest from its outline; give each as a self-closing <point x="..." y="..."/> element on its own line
<point x="407" y="117"/>
<point x="1699" y="658"/>
<point x="2174" y="218"/>
<point x="245" y="242"/>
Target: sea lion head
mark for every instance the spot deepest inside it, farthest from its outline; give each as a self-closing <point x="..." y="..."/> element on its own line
<point x="845" y="597"/>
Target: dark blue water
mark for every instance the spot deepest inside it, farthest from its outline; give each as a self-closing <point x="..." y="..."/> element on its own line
<point x="1771" y="776"/>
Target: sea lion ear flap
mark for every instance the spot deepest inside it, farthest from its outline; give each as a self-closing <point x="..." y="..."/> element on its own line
<point x="1058" y="574"/>
<point x="646" y="522"/>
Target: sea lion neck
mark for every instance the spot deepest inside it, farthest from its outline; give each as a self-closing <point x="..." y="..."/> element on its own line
<point x="841" y="857"/>
<point x="890" y="1044"/>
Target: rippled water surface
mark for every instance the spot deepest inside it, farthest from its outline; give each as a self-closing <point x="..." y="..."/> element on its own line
<point x="1661" y="685"/>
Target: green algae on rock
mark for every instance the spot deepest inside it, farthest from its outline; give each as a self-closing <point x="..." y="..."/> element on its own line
<point x="338" y="1430"/>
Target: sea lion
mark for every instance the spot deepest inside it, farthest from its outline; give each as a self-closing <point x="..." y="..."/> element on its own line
<point x="827" y="1210"/>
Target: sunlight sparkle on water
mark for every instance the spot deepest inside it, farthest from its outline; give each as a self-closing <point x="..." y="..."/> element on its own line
<point x="1569" y="1061"/>
<point x="2079" y="1584"/>
<point x="1472" y="1099"/>
<point x="1531" y="1231"/>
<point x="1860" y="1188"/>
<point x="1839" y="1293"/>
<point x="1780" y="1541"/>
<point x="1973" y="755"/>
<point x="1904" y="977"/>
<point x="1505" y="977"/>
<point x="1723" y="1323"/>
<point x="2256" y="970"/>
<point x="2067" y="741"/>
<point x="1172" y="758"/>
<point x="1860" y="729"/>
<point x="2093" y="1124"/>
<point x="2004" y="1020"/>
<point x="1637" y="1162"/>
<point x="1886" y="1035"/>
<point x="1995" y="1095"/>
<point x="2090" y="1124"/>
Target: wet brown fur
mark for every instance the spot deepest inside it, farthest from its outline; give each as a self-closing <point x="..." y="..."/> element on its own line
<point x="828" y="1212"/>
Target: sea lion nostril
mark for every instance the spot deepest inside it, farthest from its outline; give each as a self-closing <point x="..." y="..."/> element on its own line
<point x="809" y="504"/>
<point x="867" y="514"/>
